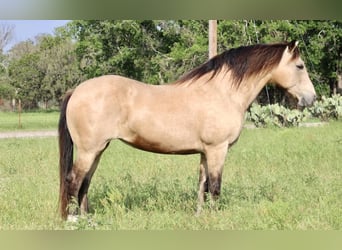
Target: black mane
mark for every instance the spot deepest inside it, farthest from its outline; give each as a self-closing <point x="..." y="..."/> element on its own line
<point x="243" y="62"/>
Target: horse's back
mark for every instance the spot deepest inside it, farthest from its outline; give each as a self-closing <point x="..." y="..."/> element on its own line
<point x="104" y="84"/>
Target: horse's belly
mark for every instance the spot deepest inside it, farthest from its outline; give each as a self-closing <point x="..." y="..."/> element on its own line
<point x="157" y="147"/>
<point x="163" y="145"/>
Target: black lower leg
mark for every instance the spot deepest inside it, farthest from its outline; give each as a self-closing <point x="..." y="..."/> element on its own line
<point x="215" y="186"/>
<point x="82" y="195"/>
<point x="73" y="191"/>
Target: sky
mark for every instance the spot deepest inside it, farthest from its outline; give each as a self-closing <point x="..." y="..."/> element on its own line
<point x="28" y="29"/>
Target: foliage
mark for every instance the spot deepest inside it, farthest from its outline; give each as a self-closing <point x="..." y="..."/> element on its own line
<point x="324" y="51"/>
<point x="274" y="115"/>
<point x="327" y="108"/>
<point x="28" y="80"/>
<point x="189" y="47"/>
<point x="116" y="47"/>
<point x="43" y="71"/>
<point x="6" y="90"/>
<point x="59" y="65"/>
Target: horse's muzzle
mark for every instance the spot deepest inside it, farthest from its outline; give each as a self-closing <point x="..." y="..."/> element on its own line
<point x="307" y="100"/>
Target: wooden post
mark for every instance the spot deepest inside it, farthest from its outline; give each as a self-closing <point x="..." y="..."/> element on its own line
<point x="339" y="83"/>
<point x="19" y="114"/>
<point x="212" y="38"/>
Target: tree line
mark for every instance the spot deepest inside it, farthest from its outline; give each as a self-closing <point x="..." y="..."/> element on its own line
<point x="40" y="70"/>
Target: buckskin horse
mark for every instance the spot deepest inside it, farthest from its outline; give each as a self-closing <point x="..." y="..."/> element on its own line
<point x="201" y="113"/>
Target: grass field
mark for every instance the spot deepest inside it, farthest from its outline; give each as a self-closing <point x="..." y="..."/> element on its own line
<point x="273" y="179"/>
<point x="9" y="121"/>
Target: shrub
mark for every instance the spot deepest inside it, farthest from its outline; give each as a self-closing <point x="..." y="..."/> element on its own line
<point x="275" y="115"/>
<point x="327" y="108"/>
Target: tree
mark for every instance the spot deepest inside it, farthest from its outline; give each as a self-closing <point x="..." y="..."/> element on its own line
<point x="115" y="47"/>
<point x="6" y="35"/>
<point x="26" y="78"/>
<point x="58" y="62"/>
<point x="44" y="69"/>
<point x="331" y="65"/>
<point x="187" y="47"/>
<point x="6" y="90"/>
<point x="149" y="51"/>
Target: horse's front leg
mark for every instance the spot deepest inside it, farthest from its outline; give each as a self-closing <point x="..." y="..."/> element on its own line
<point x="215" y="158"/>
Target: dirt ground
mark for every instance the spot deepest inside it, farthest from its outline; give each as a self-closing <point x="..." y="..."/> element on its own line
<point x="28" y="134"/>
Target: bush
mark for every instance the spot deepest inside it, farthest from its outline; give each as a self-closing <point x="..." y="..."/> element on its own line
<point x="327" y="108"/>
<point x="276" y="115"/>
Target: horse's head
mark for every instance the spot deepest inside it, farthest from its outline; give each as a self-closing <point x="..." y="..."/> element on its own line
<point x="291" y="75"/>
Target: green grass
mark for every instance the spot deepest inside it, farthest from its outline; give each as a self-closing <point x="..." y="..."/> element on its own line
<point x="9" y="121"/>
<point x="273" y="179"/>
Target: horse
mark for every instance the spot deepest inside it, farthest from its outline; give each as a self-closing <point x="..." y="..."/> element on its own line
<point x="201" y="113"/>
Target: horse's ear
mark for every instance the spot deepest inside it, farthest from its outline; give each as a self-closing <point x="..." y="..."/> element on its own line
<point x="292" y="45"/>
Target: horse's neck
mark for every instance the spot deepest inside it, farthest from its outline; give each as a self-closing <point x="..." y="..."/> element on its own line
<point x="247" y="90"/>
<point x="243" y="95"/>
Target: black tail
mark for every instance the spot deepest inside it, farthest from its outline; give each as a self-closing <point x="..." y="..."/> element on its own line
<point x="66" y="151"/>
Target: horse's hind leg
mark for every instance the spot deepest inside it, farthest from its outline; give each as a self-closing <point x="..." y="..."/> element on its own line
<point x="79" y="180"/>
<point x="82" y="194"/>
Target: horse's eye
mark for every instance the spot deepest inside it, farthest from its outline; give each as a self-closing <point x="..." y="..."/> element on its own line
<point x="300" y="66"/>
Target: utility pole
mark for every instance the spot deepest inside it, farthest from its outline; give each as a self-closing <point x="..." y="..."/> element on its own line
<point x="212" y="38"/>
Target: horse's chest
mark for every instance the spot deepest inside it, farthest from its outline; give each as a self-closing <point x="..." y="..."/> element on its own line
<point x="226" y="127"/>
